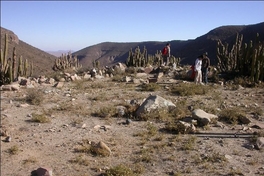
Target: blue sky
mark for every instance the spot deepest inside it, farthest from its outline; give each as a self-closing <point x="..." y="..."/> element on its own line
<point x="74" y="25"/>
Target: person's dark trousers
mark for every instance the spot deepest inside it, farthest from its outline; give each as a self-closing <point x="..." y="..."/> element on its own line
<point x="205" y="75"/>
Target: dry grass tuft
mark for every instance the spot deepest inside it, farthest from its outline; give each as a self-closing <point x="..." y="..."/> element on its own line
<point x="80" y="160"/>
<point x="40" y="118"/>
<point x="189" y="144"/>
<point x="13" y="150"/>
<point x="151" y="87"/>
<point x="184" y="89"/>
<point x="30" y="160"/>
<point x="119" y="170"/>
<point x="34" y="96"/>
<point x="105" y="112"/>
<point x="231" y="115"/>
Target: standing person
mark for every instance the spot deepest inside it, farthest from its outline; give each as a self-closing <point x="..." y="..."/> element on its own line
<point x="205" y="66"/>
<point x="166" y="54"/>
<point x="198" y="71"/>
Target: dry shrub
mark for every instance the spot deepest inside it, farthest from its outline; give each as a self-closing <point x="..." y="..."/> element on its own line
<point x="215" y="157"/>
<point x="31" y="160"/>
<point x="235" y="83"/>
<point x="69" y="107"/>
<point x="189" y="144"/>
<point x="80" y="84"/>
<point x="150" y="131"/>
<point x="40" y="118"/>
<point x="99" y="151"/>
<point x="55" y="75"/>
<point x="151" y="87"/>
<point x="34" y="96"/>
<point x="118" y="78"/>
<point x="157" y="115"/>
<point x="231" y="115"/>
<point x="105" y="112"/>
<point x="13" y="150"/>
<point x="84" y="147"/>
<point x="176" y="128"/>
<point x="80" y="160"/>
<point x="119" y="170"/>
<point x="100" y="85"/>
<point x="184" y="89"/>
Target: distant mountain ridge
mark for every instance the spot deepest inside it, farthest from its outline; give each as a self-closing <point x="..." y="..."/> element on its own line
<point x="109" y="53"/>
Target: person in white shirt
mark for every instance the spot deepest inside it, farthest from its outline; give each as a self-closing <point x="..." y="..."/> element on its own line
<point x="198" y="70"/>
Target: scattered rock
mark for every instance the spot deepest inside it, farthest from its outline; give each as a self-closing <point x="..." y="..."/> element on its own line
<point x="260" y="143"/>
<point x="121" y="110"/>
<point x="23" y="105"/>
<point x="185" y="128"/>
<point x="244" y="119"/>
<point x="101" y="149"/>
<point x="8" y="139"/>
<point x="6" y="88"/>
<point x="3" y="132"/>
<point x="228" y="157"/>
<point x="59" y="84"/>
<point x="203" y="117"/>
<point x="44" y="171"/>
<point x="258" y="126"/>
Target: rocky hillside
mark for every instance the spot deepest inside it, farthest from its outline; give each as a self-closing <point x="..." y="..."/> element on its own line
<point x="42" y="60"/>
<point x="109" y="53"/>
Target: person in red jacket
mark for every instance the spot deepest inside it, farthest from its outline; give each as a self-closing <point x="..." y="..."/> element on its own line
<point x="166" y="54"/>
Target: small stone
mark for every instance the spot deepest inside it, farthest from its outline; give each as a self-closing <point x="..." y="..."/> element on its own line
<point x="260" y="143"/>
<point x="228" y="157"/>
<point x="8" y="139"/>
<point x="44" y="172"/>
<point x="128" y="121"/>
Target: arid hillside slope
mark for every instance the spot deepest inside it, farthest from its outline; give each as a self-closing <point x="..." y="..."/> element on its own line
<point x="42" y="60"/>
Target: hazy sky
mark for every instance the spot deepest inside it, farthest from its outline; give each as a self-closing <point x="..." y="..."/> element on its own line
<point x="74" y="25"/>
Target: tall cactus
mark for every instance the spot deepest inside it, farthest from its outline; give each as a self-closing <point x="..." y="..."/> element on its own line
<point x="66" y="61"/>
<point x="246" y="61"/>
<point x="9" y="68"/>
<point x="20" y="66"/>
<point x="14" y="63"/>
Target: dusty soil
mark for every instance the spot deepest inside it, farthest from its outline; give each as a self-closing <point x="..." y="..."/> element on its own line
<point x="141" y="146"/>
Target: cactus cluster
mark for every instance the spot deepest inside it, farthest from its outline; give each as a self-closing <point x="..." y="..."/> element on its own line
<point x="143" y="59"/>
<point x="96" y="64"/>
<point x="10" y="70"/>
<point x="244" y="59"/>
<point x="66" y="61"/>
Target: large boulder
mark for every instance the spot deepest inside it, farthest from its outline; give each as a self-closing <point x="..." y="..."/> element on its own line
<point x="154" y="102"/>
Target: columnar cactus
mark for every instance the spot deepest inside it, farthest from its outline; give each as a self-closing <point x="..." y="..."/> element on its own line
<point x="67" y="61"/>
<point x="138" y="59"/>
<point x="20" y="68"/>
<point x="14" y="63"/>
<point x="9" y="68"/>
<point x="246" y="61"/>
